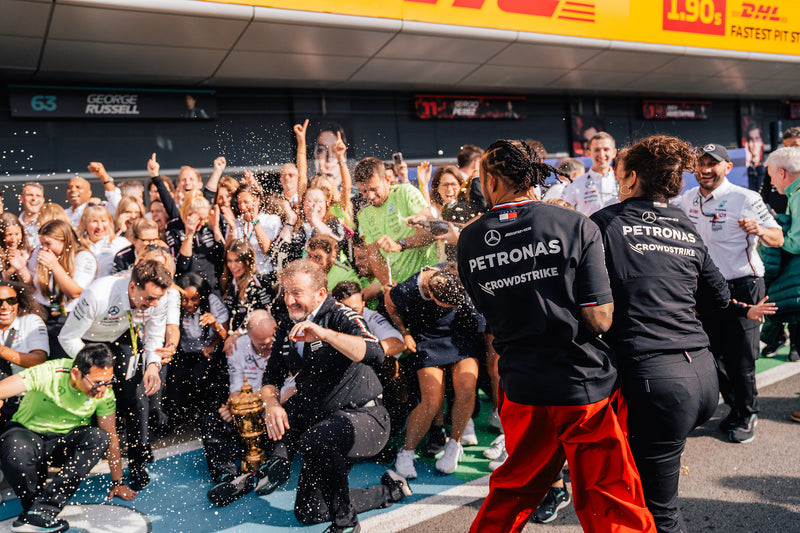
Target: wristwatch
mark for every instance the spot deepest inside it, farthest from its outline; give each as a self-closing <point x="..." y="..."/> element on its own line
<point x="402" y="242"/>
<point x="117" y="482"/>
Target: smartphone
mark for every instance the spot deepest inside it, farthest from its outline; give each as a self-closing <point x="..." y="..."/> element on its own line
<point x="397" y="159"/>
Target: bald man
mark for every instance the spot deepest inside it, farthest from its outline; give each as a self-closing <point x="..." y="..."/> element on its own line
<point x="79" y="193"/>
<point x="220" y="439"/>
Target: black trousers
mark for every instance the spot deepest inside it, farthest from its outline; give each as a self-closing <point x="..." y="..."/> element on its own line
<point x="734" y="343"/>
<point x="26" y="455"/>
<point x="195" y="383"/>
<point x="330" y="447"/>
<point x="667" y="395"/>
<point x="133" y="406"/>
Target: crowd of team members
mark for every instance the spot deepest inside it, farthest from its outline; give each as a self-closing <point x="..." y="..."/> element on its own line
<point x="243" y="267"/>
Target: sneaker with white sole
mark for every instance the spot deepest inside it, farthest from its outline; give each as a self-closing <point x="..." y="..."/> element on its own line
<point x="496" y="448"/>
<point x="556" y="499"/>
<point x="469" y="438"/>
<point x="494" y="421"/>
<point x="449" y="461"/>
<point x="404" y="464"/>
<point x="494" y="465"/>
<point x="397" y="485"/>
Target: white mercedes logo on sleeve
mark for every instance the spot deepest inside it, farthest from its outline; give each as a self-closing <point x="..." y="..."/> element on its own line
<point x="492" y="237"/>
<point x="649" y="217"/>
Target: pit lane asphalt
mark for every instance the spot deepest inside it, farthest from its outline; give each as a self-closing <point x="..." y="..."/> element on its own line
<point x="724" y="487"/>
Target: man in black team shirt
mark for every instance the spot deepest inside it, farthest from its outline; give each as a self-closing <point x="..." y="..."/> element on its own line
<point x="537" y="273"/>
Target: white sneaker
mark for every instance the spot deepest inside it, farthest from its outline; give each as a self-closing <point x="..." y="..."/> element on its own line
<point x="496" y="448"/>
<point x="404" y="464"/>
<point x="449" y="461"/>
<point x="494" y="465"/>
<point x="469" y="438"/>
<point x="494" y="421"/>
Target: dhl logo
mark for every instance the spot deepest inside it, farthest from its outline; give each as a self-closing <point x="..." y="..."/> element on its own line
<point x="583" y="11"/>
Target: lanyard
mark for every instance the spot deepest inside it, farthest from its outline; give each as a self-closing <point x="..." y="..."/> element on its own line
<point x="134" y="334"/>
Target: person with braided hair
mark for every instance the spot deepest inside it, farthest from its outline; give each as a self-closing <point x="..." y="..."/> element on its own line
<point x="537" y="274"/>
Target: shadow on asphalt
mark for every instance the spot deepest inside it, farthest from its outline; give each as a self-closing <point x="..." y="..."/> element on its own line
<point x="714" y="515"/>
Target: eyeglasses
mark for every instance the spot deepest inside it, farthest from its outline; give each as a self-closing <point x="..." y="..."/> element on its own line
<point x="11" y="300"/>
<point x="96" y="386"/>
<point x="154" y="247"/>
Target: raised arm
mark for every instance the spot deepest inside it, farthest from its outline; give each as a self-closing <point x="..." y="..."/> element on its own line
<point x="340" y="151"/>
<point x="300" y="131"/>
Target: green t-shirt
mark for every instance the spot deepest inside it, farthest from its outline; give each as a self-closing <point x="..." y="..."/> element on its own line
<point x="340" y="272"/>
<point x="51" y="405"/>
<point x="404" y="200"/>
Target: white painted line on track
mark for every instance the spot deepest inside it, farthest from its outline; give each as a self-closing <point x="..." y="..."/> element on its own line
<point x="776" y="374"/>
<point x="414" y="513"/>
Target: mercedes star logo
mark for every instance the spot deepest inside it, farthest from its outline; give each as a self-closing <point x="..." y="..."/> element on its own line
<point x="649" y="217"/>
<point x="492" y="237"/>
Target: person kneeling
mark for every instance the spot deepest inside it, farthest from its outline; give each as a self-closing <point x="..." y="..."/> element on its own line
<point x="52" y="428"/>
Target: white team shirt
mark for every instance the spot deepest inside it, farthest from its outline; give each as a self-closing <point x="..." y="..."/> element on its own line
<point x="84" y="273"/>
<point x="592" y="191"/>
<point x="272" y="227"/>
<point x="245" y="362"/>
<point x="101" y="315"/>
<point x="104" y="251"/>
<point x="716" y="218"/>
<point x="191" y="331"/>
<point x="25" y="334"/>
<point x="556" y="191"/>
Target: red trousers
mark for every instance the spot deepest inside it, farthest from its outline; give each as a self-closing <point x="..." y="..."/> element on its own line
<point x="606" y="487"/>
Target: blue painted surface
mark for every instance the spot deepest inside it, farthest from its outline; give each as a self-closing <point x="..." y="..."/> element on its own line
<point x="176" y="499"/>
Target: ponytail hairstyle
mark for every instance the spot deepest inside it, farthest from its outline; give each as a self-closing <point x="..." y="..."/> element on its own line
<point x="516" y="164"/>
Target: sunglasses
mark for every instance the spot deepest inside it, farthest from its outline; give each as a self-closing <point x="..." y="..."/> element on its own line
<point x="154" y="247"/>
<point x="11" y="300"/>
<point x="96" y="386"/>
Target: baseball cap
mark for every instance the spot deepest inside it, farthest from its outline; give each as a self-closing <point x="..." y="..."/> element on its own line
<point x="717" y="151"/>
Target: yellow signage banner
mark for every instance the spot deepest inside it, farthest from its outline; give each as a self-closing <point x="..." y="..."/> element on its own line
<point x="771" y="26"/>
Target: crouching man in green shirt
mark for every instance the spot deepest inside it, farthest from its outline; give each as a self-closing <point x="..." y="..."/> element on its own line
<point x="52" y="427"/>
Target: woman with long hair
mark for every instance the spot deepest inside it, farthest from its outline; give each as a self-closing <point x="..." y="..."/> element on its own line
<point x="60" y="268"/>
<point x="129" y="209"/>
<point x="97" y="227"/>
<point x="657" y="260"/>
<point x="14" y="249"/>
<point x="253" y="225"/>
<point x="244" y="289"/>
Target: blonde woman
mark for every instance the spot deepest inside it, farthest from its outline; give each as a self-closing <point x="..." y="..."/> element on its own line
<point x="97" y="227"/>
<point x="128" y="210"/>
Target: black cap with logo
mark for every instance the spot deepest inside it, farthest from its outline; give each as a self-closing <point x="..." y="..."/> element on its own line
<point x="717" y="151"/>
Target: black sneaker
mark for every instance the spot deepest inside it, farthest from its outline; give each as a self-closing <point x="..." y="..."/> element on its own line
<point x="793" y="355"/>
<point x="274" y="473"/>
<point x="556" y="499"/>
<point x="730" y="421"/>
<point x="138" y="478"/>
<point x="397" y="485"/>
<point x="33" y="522"/>
<point x="338" y="529"/>
<point x="770" y="350"/>
<point x="437" y="438"/>
<point x="745" y="429"/>
<point x="227" y="492"/>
